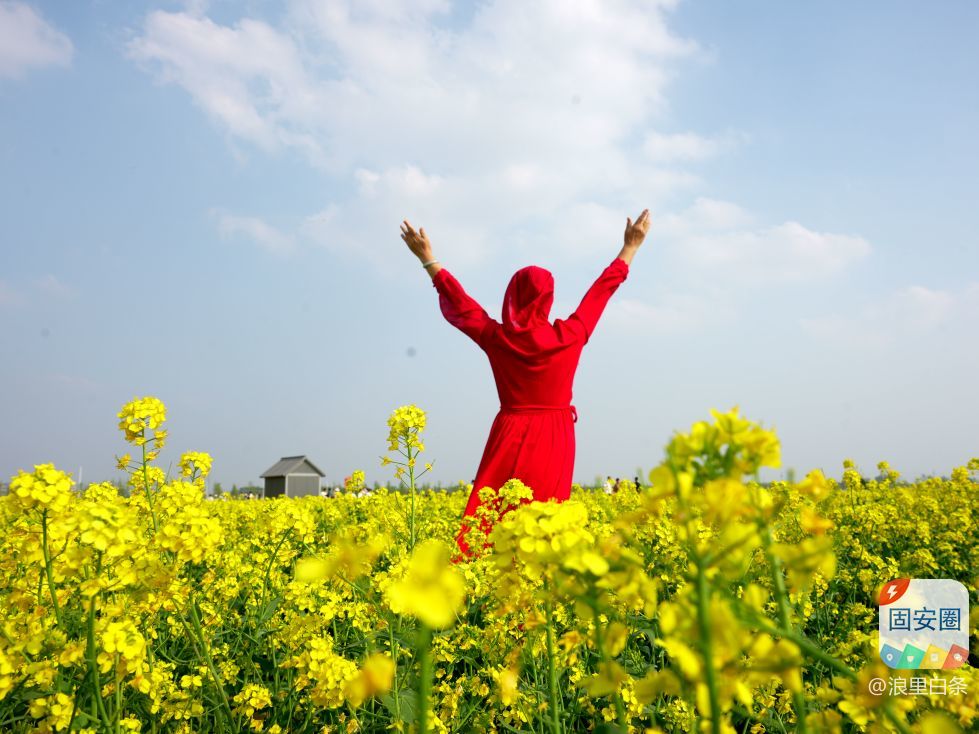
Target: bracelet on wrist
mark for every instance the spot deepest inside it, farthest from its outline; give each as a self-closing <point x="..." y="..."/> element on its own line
<point x="430" y="262"/>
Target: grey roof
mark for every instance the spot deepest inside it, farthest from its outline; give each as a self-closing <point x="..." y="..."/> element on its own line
<point x="289" y="465"/>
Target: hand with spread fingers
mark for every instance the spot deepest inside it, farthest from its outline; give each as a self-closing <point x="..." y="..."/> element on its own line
<point x="635" y="233"/>
<point x="417" y="241"/>
<point x="420" y="247"/>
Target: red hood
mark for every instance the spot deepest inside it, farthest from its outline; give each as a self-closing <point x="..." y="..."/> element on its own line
<point x="528" y="299"/>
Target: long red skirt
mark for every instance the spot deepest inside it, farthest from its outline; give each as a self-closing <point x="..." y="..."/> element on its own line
<point x="534" y="444"/>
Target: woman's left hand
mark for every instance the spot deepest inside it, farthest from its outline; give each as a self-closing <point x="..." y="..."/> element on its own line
<point x="417" y="241"/>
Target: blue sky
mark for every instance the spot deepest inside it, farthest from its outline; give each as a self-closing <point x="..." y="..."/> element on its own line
<point x="200" y="201"/>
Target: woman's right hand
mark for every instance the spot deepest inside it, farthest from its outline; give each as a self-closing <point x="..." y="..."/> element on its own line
<point x="635" y="233"/>
<point x="417" y="241"/>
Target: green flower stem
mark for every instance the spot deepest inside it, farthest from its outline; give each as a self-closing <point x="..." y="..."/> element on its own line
<point x="703" y="613"/>
<point x="715" y="555"/>
<point x="810" y="648"/>
<point x="394" y="656"/>
<point x="275" y="667"/>
<point x="289" y="704"/>
<point x="149" y="661"/>
<point x="149" y="495"/>
<point x="203" y="651"/>
<point x="47" y="567"/>
<point x="619" y="708"/>
<point x="98" y="709"/>
<point x="268" y="566"/>
<point x="703" y="623"/>
<point x="411" y="485"/>
<point x="551" y="670"/>
<point x="307" y="719"/>
<point x="118" y="712"/>
<point x="425" y="676"/>
<point x="785" y="617"/>
<point x="74" y="711"/>
<point x="764" y="624"/>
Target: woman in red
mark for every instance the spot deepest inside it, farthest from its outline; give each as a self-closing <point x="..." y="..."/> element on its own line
<point x="533" y="362"/>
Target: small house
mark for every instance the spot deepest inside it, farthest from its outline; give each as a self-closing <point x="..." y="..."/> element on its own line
<point x="292" y="476"/>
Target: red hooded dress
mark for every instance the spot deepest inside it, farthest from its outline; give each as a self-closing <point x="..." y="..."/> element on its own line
<point x="533" y="362"/>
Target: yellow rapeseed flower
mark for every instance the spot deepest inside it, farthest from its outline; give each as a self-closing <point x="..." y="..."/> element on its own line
<point x="198" y="462"/>
<point x="431" y="590"/>
<point x="815" y="485"/>
<point x="507" y="680"/>
<point x="138" y="415"/>
<point x="349" y="557"/>
<point x="252" y="698"/>
<point x="355" y="482"/>
<point x="46" y="488"/>
<point x="405" y="424"/>
<point x="375" y="677"/>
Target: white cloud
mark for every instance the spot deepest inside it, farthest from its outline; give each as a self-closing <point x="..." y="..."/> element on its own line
<point x="367" y="224"/>
<point x="674" y="313"/>
<point x="515" y="130"/>
<point x="911" y="311"/>
<point x="685" y="146"/>
<point x="28" y="41"/>
<point x="250" y="78"/>
<point x="704" y="215"/>
<point x="970" y="299"/>
<point x="713" y="235"/>
<point x="784" y="252"/>
<point x="585" y="227"/>
<point x="714" y="251"/>
<point x="924" y="307"/>
<point x="266" y="236"/>
<point x="437" y="123"/>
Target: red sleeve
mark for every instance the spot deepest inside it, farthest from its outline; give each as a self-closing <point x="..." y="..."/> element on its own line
<point x="592" y="305"/>
<point x="458" y="307"/>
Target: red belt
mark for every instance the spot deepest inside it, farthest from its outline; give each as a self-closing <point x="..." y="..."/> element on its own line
<point x="539" y="409"/>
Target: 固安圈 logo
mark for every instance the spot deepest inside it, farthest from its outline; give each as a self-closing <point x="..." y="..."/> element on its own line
<point x="924" y="623"/>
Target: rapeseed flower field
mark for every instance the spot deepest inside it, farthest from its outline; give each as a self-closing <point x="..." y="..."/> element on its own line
<point x="703" y="601"/>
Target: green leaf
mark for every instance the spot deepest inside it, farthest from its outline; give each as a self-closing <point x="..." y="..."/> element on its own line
<point x="407" y="702"/>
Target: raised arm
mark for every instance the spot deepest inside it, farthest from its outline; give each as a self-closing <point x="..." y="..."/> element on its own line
<point x="458" y="307"/>
<point x="595" y="300"/>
